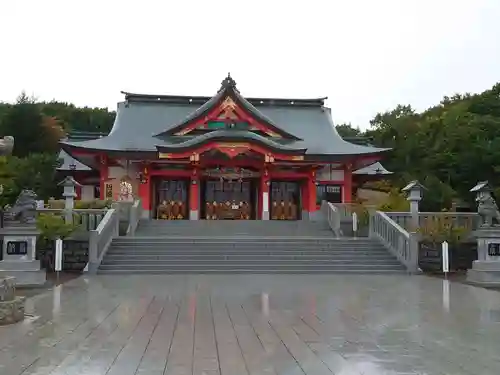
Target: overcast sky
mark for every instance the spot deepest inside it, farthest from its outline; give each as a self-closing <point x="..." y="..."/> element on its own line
<point x="366" y="56"/>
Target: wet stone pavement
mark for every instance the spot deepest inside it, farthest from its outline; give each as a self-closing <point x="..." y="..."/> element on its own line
<point x="256" y="324"/>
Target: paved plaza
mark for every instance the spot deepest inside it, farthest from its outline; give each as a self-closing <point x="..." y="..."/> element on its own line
<point x="256" y="324"/>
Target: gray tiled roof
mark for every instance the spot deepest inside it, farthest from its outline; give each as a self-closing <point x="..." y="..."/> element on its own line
<point x="373" y="169"/>
<point x="68" y="161"/>
<point x="232" y="135"/>
<point x="137" y="123"/>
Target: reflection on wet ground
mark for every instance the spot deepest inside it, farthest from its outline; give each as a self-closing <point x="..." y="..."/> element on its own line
<point x="256" y="324"/>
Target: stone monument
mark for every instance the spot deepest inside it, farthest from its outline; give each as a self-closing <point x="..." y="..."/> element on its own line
<point x="19" y="242"/>
<point x="486" y="270"/>
<point x="11" y="306"/>
<point x="6" y="145"/>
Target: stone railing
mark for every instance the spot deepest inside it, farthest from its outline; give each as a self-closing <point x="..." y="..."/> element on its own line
<point x="345" y="211"/>
<point x="135" y="214"/>
<point x="403" y="245"/>
<point x="101" y="237"/>
<point x="87" y="219"/>
<point x="469" y="220"/>
<point x="332" y="216"/>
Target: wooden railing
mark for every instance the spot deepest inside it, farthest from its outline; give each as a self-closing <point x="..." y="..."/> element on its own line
<point x="469" y="220"/>
<point x="101" y="237"/>
<point x="403" y="245"/>
<point x="87" y="219"/>
<point x="135" y="214"/>
<point x="332" y="216"/>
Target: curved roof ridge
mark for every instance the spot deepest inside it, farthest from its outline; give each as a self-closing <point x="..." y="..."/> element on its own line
<point x="228" y="89"/>
<point x="230" y="135"/>
<point x="200" y="99"/>
<point x="358" y="148"/>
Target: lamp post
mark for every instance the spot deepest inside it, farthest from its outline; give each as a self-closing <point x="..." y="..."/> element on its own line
<point x="414" y="191"/>
<point x="69" y="195"/>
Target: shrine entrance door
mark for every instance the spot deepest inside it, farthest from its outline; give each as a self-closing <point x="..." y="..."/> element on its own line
<point x="171" y="199"/>
<point x="228" y="200"/>
<point x="285" y="200"/>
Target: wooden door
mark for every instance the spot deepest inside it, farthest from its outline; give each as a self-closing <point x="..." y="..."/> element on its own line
<point x="227" y="200"/>
<point x="285" y="200"/>
<point x="171" y="199"/>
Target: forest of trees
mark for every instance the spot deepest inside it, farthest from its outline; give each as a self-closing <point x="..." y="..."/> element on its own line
<point x="448" y="147"/>
<point x="37" y="128"/>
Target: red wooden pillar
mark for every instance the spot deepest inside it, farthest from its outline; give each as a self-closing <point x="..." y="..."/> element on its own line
<point x="265" y="182"/>
<point x="145" y="188"/>
<point x="347" y="190"/>
<point x="311" y="192"/>
<point x="194" y="196"/>
<point x="304" y="192"/>
<point x="103" y="175"/>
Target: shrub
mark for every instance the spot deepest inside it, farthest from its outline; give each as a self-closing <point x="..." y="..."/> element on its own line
<point x="441" y="228"/>
<point x="53" y="226"/>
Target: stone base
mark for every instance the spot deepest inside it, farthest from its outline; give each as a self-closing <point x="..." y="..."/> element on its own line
<point x="27" y="278"/>
<point x="12" y="311"/>
<point x="484" y="273"/>
<point x="193" y="215"/>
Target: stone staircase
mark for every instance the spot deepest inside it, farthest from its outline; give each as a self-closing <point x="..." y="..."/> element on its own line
<point x="244" y="247"/>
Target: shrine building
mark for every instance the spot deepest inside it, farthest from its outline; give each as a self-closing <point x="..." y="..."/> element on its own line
<point x="221" y="157"/>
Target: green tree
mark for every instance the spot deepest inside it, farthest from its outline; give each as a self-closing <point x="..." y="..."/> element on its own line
<point x="347" y="130"/>
<point x="26" y="123"/>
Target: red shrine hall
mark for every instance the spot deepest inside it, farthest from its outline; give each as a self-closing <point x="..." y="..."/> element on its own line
<point x="220" y="157"/>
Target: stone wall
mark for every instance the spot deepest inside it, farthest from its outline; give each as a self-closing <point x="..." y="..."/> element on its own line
<point x="75" y="255"/>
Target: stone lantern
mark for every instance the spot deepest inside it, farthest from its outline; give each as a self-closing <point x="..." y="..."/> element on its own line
<point x="414" y="191"/>
<point x="485" y="270"/>
<point x="69" y="194"/>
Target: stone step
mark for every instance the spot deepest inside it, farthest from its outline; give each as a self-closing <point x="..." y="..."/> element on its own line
<point x="241" y="240"/>
<point x="235" y="252"/>
<point x="284" y="262"/>
<point x="236" y="258"/>
<point x="244" y="246"/>
<point x="239" y="266"/>
<point x="305" y="271"/>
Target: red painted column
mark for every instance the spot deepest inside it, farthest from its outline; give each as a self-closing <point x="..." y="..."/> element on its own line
<point x="304" y="192"/>
<point x="103" y="175"/>
<point x="264" y="209"/>
<point x="311" y="192"/>
<point x="347" y="189"/>
<point x="145" y="188"/>
<point x="194" y="196"/>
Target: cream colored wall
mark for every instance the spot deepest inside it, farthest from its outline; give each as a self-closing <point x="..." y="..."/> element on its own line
<point x="87" y="193"/>
<point x="115" y="175"/>
<point x="329" y="174"/>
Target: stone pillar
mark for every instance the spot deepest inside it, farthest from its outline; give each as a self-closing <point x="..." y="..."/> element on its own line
<point x="414" y="192"/>
<point x="265" y="183"/>
<point x="69" y="194"/>
<point x="194" y="196"/>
